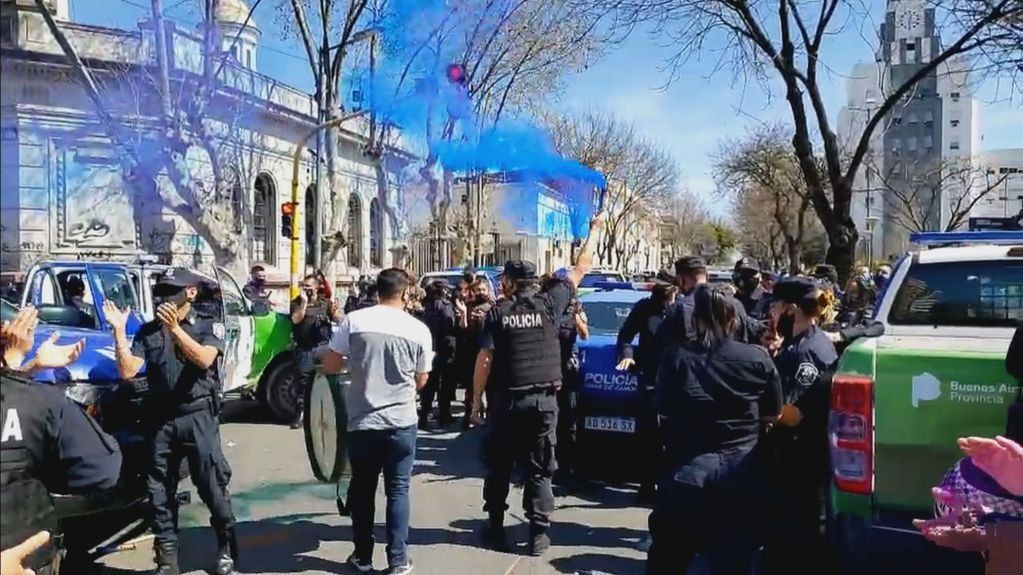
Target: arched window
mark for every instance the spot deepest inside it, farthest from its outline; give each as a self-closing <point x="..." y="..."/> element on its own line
<point x="310" y="225"/>
<point x="354" y="231"/>
<point x="376" y="244"/>
<point x="264" y="198"/>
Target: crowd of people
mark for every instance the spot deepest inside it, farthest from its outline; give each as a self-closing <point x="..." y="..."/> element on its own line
<point x="734" y="379"/>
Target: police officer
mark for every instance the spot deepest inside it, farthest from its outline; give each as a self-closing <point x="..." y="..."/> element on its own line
<point x="712" y="395"/>
<point x="182" y="351"/>
<point x="805" y="358"/>
<point x="49" y="444"/>
<point x="439" y="316"/>
<point x="746" y="277"/>
<point x="568" y="322"/>
<point x="517" y="338"/>
<point x="643" y="320"/>
<point x="677" y="325"/>
<point x="312" y="318"/>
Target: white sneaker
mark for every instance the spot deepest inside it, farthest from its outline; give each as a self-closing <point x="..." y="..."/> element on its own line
<point x="405" y="569"/>
<point x="359" y="565"/>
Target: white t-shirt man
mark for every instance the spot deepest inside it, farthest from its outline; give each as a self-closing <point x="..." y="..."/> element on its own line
<point x="386" y="347"/>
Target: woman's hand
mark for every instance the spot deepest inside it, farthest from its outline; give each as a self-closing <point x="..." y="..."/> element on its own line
<point x="772" y="342"/>
<point x="957" y="529"/>
<point x="12" y="560"/>
<point x="50" y="355"/>
<point x="790" y="416"/>
<point x="20" y="332"/>
<point x="1001" y="458"/>
<point x="625" y="364"/>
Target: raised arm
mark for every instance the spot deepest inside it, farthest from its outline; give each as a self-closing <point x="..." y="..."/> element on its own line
<point x="129" y="362"/>
<point x="584" y="263"/>
<point x="202" y="352"/>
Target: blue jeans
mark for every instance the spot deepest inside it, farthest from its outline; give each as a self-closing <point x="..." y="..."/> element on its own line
<point x="391" y="451"/>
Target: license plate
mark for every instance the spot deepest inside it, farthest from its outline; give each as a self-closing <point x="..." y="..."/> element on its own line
<point x="615" y="424"/>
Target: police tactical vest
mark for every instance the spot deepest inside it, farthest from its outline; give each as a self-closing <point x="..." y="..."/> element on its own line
<point x="27" y="504"/>
<point x="526" y="348"/>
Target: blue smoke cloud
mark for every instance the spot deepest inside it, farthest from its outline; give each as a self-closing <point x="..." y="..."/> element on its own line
<point x="419" y="99"/>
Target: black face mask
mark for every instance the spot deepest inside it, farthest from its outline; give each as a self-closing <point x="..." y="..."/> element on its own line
<point x="747" y="284"/>
<point x="786" y="325"/>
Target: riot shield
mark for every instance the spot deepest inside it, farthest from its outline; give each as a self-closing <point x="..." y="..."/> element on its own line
<point x="325" y="425"/>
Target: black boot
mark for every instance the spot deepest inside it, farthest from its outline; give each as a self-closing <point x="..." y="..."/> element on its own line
<point x="494" y="535"/>
<point x="167" y="559"/>
<point x="539" y="541"/>
<point x="227" y="554"/>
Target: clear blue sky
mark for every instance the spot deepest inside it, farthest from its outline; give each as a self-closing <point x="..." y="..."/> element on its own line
<point x="688" y="118"/>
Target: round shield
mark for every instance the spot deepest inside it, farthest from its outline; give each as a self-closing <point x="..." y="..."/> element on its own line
<point x="325" y="422"/>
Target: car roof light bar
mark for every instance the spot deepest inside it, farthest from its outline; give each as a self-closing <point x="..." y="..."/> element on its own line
<point x="956" y="238"/>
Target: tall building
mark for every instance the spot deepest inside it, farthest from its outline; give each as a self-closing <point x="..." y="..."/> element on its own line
<point x="912" y="176"/>
<point x="864" y="96"/>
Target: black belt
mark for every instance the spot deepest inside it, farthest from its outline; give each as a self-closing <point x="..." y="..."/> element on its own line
<point x="549" y="388"/>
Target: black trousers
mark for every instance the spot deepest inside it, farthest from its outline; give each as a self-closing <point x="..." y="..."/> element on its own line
<point x="795" y="543"/>
<point x="441" y="385"/>
<point x="196" y="437"/>
<point x="305" y="363"/>
<point x="568" y="419"/>
<point x="707" y="506"/>
<point x="650" y="439"/>
<point x="521" y="430"/>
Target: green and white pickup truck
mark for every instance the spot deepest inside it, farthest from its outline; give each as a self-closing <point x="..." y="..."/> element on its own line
<point x="257" y="359"/>
<point x="899" y="401"/>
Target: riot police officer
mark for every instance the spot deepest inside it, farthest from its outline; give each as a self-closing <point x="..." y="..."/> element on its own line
<point x="49" y="444"/>
<point x="517" y="338"/>
<point x="805" y="357"/>
<point x="182" y="351"/>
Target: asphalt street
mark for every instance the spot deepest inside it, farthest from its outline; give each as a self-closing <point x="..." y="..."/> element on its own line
<point x="288" y="523"/>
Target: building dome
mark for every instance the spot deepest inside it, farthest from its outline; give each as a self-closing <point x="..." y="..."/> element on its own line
<point x="234" y="12"/>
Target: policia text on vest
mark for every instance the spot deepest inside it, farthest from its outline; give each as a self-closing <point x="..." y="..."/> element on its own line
<point x="47" y="445"/>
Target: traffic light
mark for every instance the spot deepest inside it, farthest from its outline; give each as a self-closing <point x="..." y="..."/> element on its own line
<point x="456" y="74"/>
<point x="288" y="220"/>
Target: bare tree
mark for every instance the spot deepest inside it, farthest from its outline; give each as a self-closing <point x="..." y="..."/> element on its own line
<point x="194" y="147"/>
<point x="514" y="54"/>
<point x="327" y="32"/>
<point x="642" y="179"/>
<point x="936" y="197"/>
<point x="783" y="40"/>
<point x="643" y="185"/>
<point x="683" y="225"/>
<point x="762" y="175"/>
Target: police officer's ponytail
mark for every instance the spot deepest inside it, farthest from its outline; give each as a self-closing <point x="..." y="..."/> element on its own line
<point x="714" y="315"/>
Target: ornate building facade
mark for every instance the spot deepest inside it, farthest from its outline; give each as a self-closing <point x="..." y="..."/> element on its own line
<point x="64" y="194"/>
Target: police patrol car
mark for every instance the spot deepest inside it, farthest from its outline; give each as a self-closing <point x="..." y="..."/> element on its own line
<point x="900" y="401"/>
<point x="257" y="360"/>
<point x="608" y="399"/>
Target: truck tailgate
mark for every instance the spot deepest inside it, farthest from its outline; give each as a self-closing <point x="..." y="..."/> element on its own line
<point x="925" y="398"/>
